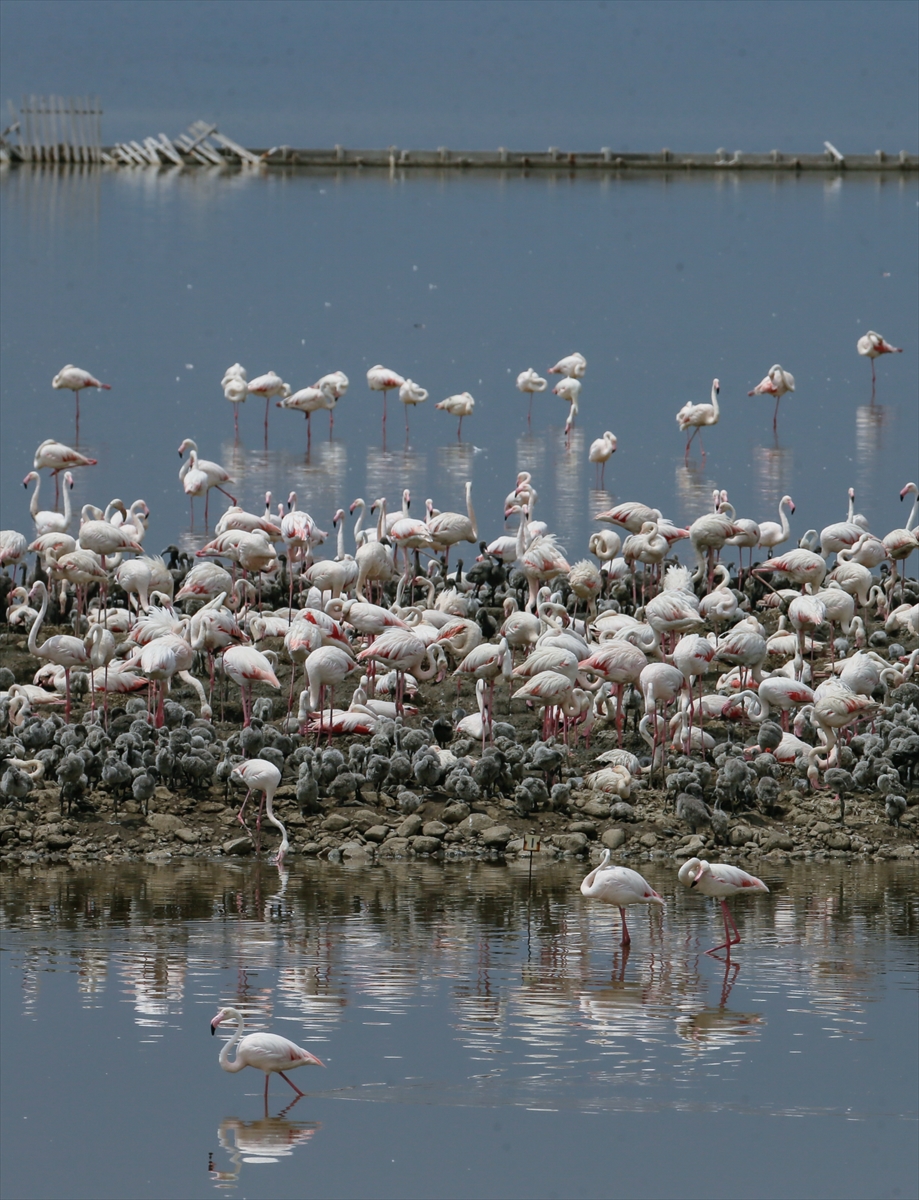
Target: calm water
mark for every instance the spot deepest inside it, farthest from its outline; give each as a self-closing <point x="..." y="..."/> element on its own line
<point x="157" y="281"/>
<point x="480" y="1040"/>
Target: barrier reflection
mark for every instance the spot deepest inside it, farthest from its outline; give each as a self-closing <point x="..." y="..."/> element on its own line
<point x="263" y="1142"/>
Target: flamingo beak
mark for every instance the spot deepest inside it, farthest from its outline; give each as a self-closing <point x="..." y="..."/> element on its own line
<point x="314" y="1060"/>
<point x="699" y="874"/>
<point x="216" y="1021"/>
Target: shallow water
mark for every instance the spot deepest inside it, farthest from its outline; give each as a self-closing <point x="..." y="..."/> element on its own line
<point x="482" y="1037"/>
<point x="158" y="280"/>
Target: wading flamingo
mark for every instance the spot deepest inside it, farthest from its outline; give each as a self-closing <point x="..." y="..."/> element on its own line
<point x="619" y="886"/>
<point x="872" y="345"/>
<point x="572" y="365"/>
<point x="259" y="775"/>
<point x="76" y="379"/>
<point x="720" y="881"/>
<point x="601" y="451"/>
<point x="268" y="386"/>
<point x="381" y="379"/>
<point x="529" y="383"/>
<point x="411" y="393"/>
<point x="460" y="406"/>
<point x="268" y="1052"/>
<point x="776" y="383"/>
<point x="694" y="416"/>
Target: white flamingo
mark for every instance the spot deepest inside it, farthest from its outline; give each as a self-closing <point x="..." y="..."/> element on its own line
<point x="776" y="383"/>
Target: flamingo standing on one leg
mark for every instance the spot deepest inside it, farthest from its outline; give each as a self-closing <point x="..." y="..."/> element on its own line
<point x="720" y="881"/>
<point x="269" y="385"/>
<point x="245" y="666"/>
<point x="619" y="886"/>
<point x="601" y="451"/>
<point x="76" y="379"/>
<point x="259" y="775"/>
<point x="872" y="345"/>
<point x="381" y="379"/>
<point x="776" y="383"/>
<point x="268" y="1052"/>
<point x="694" y="416"/>
<point x="411" y="393"/>
<point x="460" y="406"/>
<point x="529" y="382"/>
<point x="57" y="457"/>
<point x="235" y="389"/>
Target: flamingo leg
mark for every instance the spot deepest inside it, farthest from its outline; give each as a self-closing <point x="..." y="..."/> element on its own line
<point x="239" y="815"/>
<point x="236" y="421"/>
<point x="626" y="939"/>
<point x="775" y="415"/>
<point x="267" y="403"/>
<point x="77" y="398"/>
<point x="267" y="1077"/>
<point x="291" y="1082"/>
<point x="729" y="925"/>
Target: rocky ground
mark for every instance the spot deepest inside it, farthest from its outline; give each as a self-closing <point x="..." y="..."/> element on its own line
<point x="201" y="821"/>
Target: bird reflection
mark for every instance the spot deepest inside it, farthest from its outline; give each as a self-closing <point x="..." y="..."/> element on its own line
<point x="531" y="453"/>
<point x="457" y="460"/>
<point x="870" y="422"/>
<point x="694" y="491"/>
<point x="569" y="499"/>
<point x="267" y="1140"/>
<point x="314" y="479"/>
<point x="389" y="471"/>
<point x="720" y="1024"/>
<point x="774" y="467"/>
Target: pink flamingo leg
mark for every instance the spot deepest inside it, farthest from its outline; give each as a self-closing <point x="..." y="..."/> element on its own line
<point x="292" y="1084"/>
<point x="728" y="926"/>
<point x="626" y="939"/>
<point x="241" y="819"/>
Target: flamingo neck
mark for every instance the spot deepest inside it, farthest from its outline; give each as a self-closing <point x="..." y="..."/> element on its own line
<point x="224" y="1059"/>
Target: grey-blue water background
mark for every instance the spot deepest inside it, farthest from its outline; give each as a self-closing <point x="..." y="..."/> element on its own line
<point x="158" y="280"/>
<point x="479" y="1039"/>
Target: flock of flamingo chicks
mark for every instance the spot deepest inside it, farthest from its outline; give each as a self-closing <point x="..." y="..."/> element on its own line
<point x="627" y="634"/>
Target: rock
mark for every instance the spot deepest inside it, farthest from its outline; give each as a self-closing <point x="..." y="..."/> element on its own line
<point x="362" y="819"/>
<point x="612" y="839"/>
<point x="336" y="823"/>
<point x="212" y="806"/>
<point x="395" y="847"/>
<point x="352" y="850"/>
<point x="455" y="835"/>
<point x="240" y="845"/>
<point x="514" y="846"/>
<point x="476" y="822"/>
<point x="410" y="827"/>
<point x="59" y="841"/>
<point x="164" y="795"/>
<point x="434" y="829"/>
<point x="596" y="807"/>
<point x="777" y="841"/>
<point x="311" y="848"/>
<point x="571" y="843"/>
<point x="648" y="839"/>
<point x="425" y="845"/>
<point x="497" y="836"/>
<point x="188" y="836"/>
<point x="692" y="847"/>
<point x="838" y="840"/>
<point x="157" y="856"/>
<point x="376" y="833"/>
<point x="740" y="835"/>
<point x="587" y="827"/>
<point x="454" y="813"/>
<point x="822" y="827"/>
<point x="164" y="822"/>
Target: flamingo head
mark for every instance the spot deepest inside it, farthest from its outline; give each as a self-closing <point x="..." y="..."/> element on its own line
<point x="225" y="1014"/>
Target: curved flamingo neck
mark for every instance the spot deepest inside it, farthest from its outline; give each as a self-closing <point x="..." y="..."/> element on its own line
<point x="224" y="1059"/>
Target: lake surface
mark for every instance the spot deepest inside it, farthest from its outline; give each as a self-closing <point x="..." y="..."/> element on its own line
<point x="482" y="1038"/>
<point x="158" y="280"/>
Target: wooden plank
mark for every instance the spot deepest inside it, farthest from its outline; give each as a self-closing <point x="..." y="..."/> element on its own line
<point x="245" y="155"/>
<point x="166" y="147"/>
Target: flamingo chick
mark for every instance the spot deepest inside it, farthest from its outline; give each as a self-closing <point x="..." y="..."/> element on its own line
<point x="620" y="886"/>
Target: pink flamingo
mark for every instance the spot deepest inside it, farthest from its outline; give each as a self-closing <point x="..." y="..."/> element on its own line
<point x="460" y="406"/>
<point x="619" y="886"/>
<point x="268" y="1052"/>
<point x="268" y="386"/>
<point x="776" y="383"/>
<point x="65" y="651"/>
<point x="76" y="379"/>
<point x="695" y="416"/>
<point x="529" y="383"/>
<point x="245" y="666"/>
<point x="601" y="451"/>
<point x="381" y="379"/>
<point x="259" y="775"/>
<point x="872" y="345"/>
<point x="720" y="881"/>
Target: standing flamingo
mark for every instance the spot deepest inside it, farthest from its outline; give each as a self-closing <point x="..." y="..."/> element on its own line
<point x="65" y="651"/>
<point x="268" y="1052"/>
<point x="338" y="382"/>
<point x="76" y="379"/>
<point x="460" y="406"/>
<point x="720" y="881"/>
<point x="57" y="457"/>
<point x="694" y="416"/>
<point x="411" y="393"/>
<point x="872" y="345"/>
<point x="772" y="534"/>
<point x="259" y="775"/>
<point x="245" y="666"/>
<point x="47" y="521"/>
<point x="776" y="383"/>
<point x="191" y="472"/>
<point x="572" y="365"/>
<point x="309" y="400"/>
<point x="619" y="886"/>
<point x="601" y="451"/>
<point x="381" y="379"/>
<point x="529" y="382"/>
<point x="235" y="389"/>
<point x="269" y="385"/>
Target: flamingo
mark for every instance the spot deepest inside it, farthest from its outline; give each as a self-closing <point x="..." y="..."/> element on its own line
<point x="695" y="416"/>
<point x="235" y="389"/>
<point x="548" y="690"/>
<point x="448" y="528"/>
<point x="338" y="574"/>
<point x="76" y="379"/>
<point x="631" y="515"/>
<point x="268" y="1052"/>
<point x="872" y="345"/>
<point x="573" y="365"/>
<point x="720" y="881"/>
<point x="772" y="534"/>
<point x="569" y="389"/>
<point x="776" y="383"/>
<point x="259" y="775"/>
<point x="619" y="886"/>
<point x="48" y="521"/>
<point x="245" y="666"/>
<point x="529" y="383"/>
<point x="319" y="397"/>
<point x="460" y="406"/>
<point x="268" y="386"/>
<point x="214" y="475"/>
<point x="900" y="543"/>
<point x="57" y="457"/>
<point x="601" y="451"/>
<point x="65" y="651"/>
<point x="381" y="379"/>
<point x="411" y="393"/>
<point x="618" y="663"/>
<point x="204" y="581"/>
<point x="325" y="668"/>
<point x="400" y="650"/>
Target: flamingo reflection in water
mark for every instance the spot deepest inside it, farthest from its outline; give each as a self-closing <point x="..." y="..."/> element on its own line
<point x="267" y="1140"/>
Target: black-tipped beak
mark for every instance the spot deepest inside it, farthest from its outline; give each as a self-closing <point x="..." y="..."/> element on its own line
<point x="213" y="1030"/>
<point x="692" y="885"/>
